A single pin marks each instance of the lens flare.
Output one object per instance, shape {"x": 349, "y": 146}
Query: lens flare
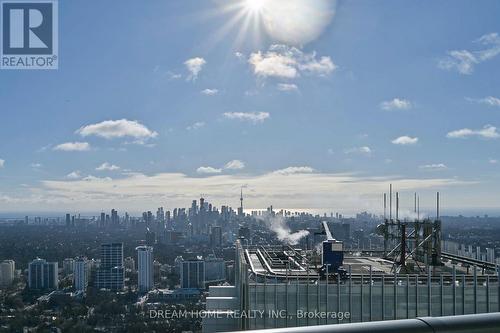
{"x": 290, "y": 22}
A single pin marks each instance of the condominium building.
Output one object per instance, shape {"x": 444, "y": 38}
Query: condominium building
{"x": 111, "y": 273}
{"x": 43, "y": 274}
{"x": 144, "y": 268}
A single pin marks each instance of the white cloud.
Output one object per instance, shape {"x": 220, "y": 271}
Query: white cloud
{"x": 140, "y": 142}
{"x": 94, "y": 179}
{"x": 208, "y": 170}
{"x": 234, "y": 165}
{"x": 74, "y": 175}
{"x": 285, "y": 62}
{"x": 194, "y": 66}
{"x": 272, "y": 64}
{"x": 210, "y": 92}
{"x": 433, "y": 167}
{"x": 107, "y": 167}
{"x": 490, "y": 100}
{"x": 73, "y": 146}
{"x": 487, "y": 132}
{"x": 110, "y": 129}
{"x": 293, "y": 170}
{"x": 461, "y": 60}
{"x": 396, "y": 104}
{"x": 321, "y": 67}
{"x": 464, "y": 61}
{"x": 2, "y": 163}
{"x": 195, "y": 126}
{"x": 36, "y": 165}
{"x": 405, "y": 140}
{"x": 493, "y": 161}
{"x": 254, "y": 117}
{"x": 231, "y": 165}
{"x": 365, "y": 150}
{"x": 287, "y": 87}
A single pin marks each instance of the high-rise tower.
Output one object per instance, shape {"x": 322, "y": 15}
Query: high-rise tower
{"x": 145, "y": 268}
{"x": 110, "y": 274}
{"x": 240, "y": 209}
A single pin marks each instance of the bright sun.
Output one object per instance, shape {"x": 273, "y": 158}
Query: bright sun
{"x": 293, "y": 22}
{"x": 254, "y": 5}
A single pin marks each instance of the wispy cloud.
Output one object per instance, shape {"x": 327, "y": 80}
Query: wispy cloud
{"x": 396, "y": 104}
{"x": 194, "y": 66}
{"x": 210, "y": 92}
{"x": 231, "y": 165}
{"x": 2, "y": 163}
{"x": 285, "y": 62}
{"x": 239, "y": 55}
{"x": 293, "y": 170}
{"x": 364, "y": 150}
{"x": 487, "y": 132}
{"x": 107, "y": 167}
{"x": 464, "y": 61}
{"x": 287, "y": 87}
{"x": 94, "y": 179}
{"x": 433, "y": 167}
{"x": 490, "y": 100}
{"x": 73, "y": 146}
{"x": 254, "y": 117}
{"x": 195, "y": 126}
{"x": 203, "y": 170}
{"x": 36, "y": 165}
{"x": 493, "y": 161}
{"x": 74, "y": 175}
{"x": 234, "y": 165}
{"x": 110, "y": 129}
{"x": 174, "y": 76}
{"x": 405, "y": 140}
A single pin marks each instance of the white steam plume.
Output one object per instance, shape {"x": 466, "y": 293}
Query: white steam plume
{"x": 283, "y": 232}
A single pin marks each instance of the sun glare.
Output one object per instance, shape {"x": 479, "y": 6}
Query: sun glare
{"x": 293, "y": 22}
{"x": 254, "y": 5}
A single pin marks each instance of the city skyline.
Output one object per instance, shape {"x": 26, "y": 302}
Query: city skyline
{"x": 314, "y": 115}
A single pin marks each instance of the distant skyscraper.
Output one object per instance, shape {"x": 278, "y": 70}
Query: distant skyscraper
{"x": 68, "y": 220}
{"x": 68, "y": 266}
{"x": 150, "y": 237}
{"x": 216, "y": 236}
{"x": 43, "y": 274}
{"x": 102, "y": 221}
{"x": 160, "y": 214}
{"x": 144, "y": 268}
{"x": 81, "y": 273}
{"x": 110, "y": 274}
{"x": 115, "y": 220}
{"x": 7, "y": 268}
{"x": 244, "y": 232}
{"x": 192, "y": 274}
{"x": 240, "y": 209}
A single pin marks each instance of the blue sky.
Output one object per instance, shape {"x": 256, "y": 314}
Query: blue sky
{"x": 321, "y": 113}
